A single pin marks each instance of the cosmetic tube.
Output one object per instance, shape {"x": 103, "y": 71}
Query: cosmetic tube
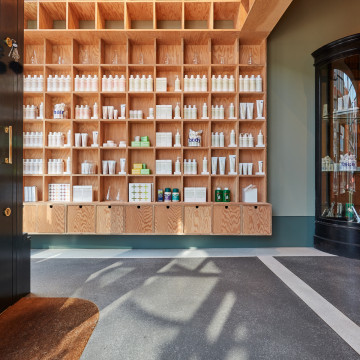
{"x": 105, "y": 112}
{"x": 105, "y": 167}
{"x": 95, "y": 138}
{"x": 122, "y": 166}
{"x": 245, "y": 168}
{"x": 240, "y": 168}
{"x": 232, "y": 159}
{"x": 259, "y": 108}
{"x": 116, "y": 114}
{"x": 77, "y": 139}
{"x": 222, "y": 165}
{"x": 84, "y": 139}
{"x": 260, "y": 163}
{"x": 249, "y": 168}
{"x": 250, "y": 110}
{"x": 242, "y": 111}
{"x": 122, "y": 110}
{"x": 111, "y": 112}
{"x": 111, "y": 164}
{"x": 214, "y": 160}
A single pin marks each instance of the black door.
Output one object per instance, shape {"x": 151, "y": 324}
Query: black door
{"x": 12, "y": 254}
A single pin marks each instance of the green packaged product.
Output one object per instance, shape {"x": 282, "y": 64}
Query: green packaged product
{"x": 144, "y": 138}
{"x": 143, "y": 166}
{"x": 160, "y": 195}
{"x": 218, "y": 195}
{"x": 145, "y": 143}
{"x": 226, "y": 195}
{"x": 145, "y": 171}
{"x": 135, "y": 144}
{"x": 175, "y": 195}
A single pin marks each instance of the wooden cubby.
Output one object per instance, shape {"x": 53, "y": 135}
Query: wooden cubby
{"x": 161, "y": 39}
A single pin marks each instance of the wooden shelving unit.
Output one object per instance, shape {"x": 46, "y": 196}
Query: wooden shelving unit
{"x": 155, "y": 29}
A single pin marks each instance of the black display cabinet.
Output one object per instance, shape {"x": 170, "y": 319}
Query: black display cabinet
{"x": 337, "y": 208}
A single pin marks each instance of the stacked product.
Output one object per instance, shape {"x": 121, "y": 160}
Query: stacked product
{"x": 82, "y": 193}
{"x": 33, "y": 83}
{"x": 195, "y": 194}
{"x": 246, "y": 140}
{"x": 60, "y": 111}
{"x": 140, "y": 192}
{"x": 163, "y": 139}
{"x": 195, "y": 84}
{"x": 55, "y": 166}
{"x": 217, "y": 113}
{"x": 86, "y": 83}
{"x": 190, "y": 167}
{"x": 109, "y": 112}
{"x": 163, "y": 167}
{"x": 190, "y": 112}
{"x": 142, "y": 141}
{"x": 246, "y": 111}
{"x": 161, "y": 84}
{"x": 57, "y": 139}
{"x": 222, "y": 164}
{"x": 111, "y": 143}
{"x": 142, "y": 84}
{"x": 59, "y": 84}
{"x": 81, "y": 139}
{"x": 164, "y": 112}
{"x": 194, "y": 139}
{"x": 59, "y": 192}
{"x": 83, "y": 112}
{"x": 168, "y": 195}
{"x": 32, "y": 166}
{"x": 140, "y": 169}
{"x": 250, "y": 84}
{"x": 223, "y": 83}
{"x": 88, "y": 168}
{"x": 30, "y": 194}
{"x": 245, "y": 168}
{"x": 33, "y": 112}
{"x": 222, "y": 195}
{"x": 113, "y": 84}
{"x": 32, "y": 139}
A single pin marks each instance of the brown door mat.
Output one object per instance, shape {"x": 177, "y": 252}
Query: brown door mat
{"x": 46, "y": 328}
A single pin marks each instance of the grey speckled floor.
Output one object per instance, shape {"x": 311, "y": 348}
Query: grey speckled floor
{"x": 337, "y": 279}
{"x": 190, "y": 309}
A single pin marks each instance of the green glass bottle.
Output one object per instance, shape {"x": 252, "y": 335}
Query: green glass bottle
{"x": 218, "y": 195}
{"x": 226, "y": 195}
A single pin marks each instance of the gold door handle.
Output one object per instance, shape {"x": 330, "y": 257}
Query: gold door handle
{"x": 7, "y": 212}
{"x": 8, "y": 130}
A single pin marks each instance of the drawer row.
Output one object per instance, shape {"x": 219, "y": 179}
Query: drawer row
{"x": 163, "y": 219}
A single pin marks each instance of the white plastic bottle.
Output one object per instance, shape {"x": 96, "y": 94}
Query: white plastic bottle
{"x": 94, "y": 83}
{"x": 82, "y": 83}
{"x": 231, "y": 83}
{"x": 50, "y": 83}
{"x": 213, "y": 83}
{"x": 221, "y": 112}
{"x": 225, "y": 83}
{"x": 137, "y": 83}
{"x": 231, "y": 111}
{"x": 221, "y": 139}
{"x": 194, "y": 167}
{"x": 232, "y": 138}
{"x": 177, "y": 83}
{"x": 143, "y": 84}
{"x": 246, "y": 83}
{"x": 205, "y": 165}
{"x": 258, "y": 84}
{"x": 219, "y": 83}
{"x": 131, "y": 83}
{"x": 252, "y": 86}
{"x": 241, "y": 83}
{"x": 192, "y": 83}
{"x": 177, "y": 139}
{"x": 149, "y": 84}
{"x": 177, "y": 167}
{"x": 204, "y": 83}
{"x": 204, "y": 111}
{"x": 122, "y": 83}
{"x": 177, "y": 111}
{"x": 198, "y": 83}
{"x": 95, "y": 111}
{"x": 186, "y": 83}
{"x": 88, "y": 83}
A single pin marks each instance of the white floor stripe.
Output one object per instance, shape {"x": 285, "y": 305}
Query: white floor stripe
{"x": 174, "y": 253}
{"x": 341, "y": 324}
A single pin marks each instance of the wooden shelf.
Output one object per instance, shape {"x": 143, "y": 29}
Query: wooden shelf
{"x": 161, "y": 39}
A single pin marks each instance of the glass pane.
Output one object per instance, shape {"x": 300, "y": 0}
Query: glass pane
{"x": 340, "y": 166}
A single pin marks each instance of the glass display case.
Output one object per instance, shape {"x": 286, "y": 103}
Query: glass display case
{"x": 337, "y": 228}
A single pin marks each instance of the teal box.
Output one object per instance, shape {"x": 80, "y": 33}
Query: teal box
{"x": 144, "y": 138}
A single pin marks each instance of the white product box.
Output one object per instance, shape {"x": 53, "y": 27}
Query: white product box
{"x": 164, "y": 167}
{"x": 195, "y": 194}
{"x": 140, "y": 192}
{"x": 164, "y": 139}
{"x": 82, "y": 193}
{"x": 161, "y": 84}
{"x": 249, "y": 194}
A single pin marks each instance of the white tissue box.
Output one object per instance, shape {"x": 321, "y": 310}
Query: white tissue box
{"x": 82, "y": 193}
{"x": 249, "y": 194}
